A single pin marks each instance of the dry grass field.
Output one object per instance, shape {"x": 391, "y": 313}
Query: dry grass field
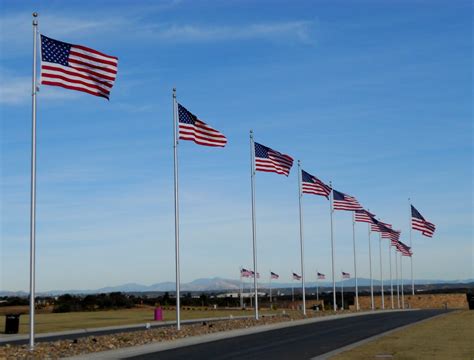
{"x": 51, "y": 322}
{"x": 447, "y": 337}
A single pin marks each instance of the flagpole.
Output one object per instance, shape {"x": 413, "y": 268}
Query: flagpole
{"x": 317, "y": 285}
{"x": 33, "y": 186}
{"x": 270, "y": 285}
{"x": 342, "y": 292}
{"x": 381, "y": 275}
{"x": 331, "y": 210}
{"x": 411, "y": 257}
{"x": 241, "y": 290}
{"x": 372, "y": 305}
{"x": 401, "y": 279}
{"x": 391, "y": 279}
{"x": 355, "y": 261}
{"x": 254, "y": 228}
{"x": 176, "y": 211}
{"x": 300, "y": 195}
{"x": 398, "y": 279}
{"x": 292, "y": 287}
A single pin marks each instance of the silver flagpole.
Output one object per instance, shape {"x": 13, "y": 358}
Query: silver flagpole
{"x": 411, "y": 257}
{"x": 33, "y": 187}
{"x": 241, "y": 290}
{"x": 372, "y": 305}
{"x": 381, "y": 274}
{"x": 398, "y": 279}
{"x": 331, "y": 210}
{"x": 390, "y": 265}
{"x": 300, "y": 195}
{"x": 401, "y": 278}
{"x": 317, "y": 285}
{"x": 292, "y": 287}
{"x": 254, "y": 228}
{"x": 355, "y": 261}
{"x": 270, "y": 285}
{"x": 342, "y": 292}
{"x": 176, "y": 210}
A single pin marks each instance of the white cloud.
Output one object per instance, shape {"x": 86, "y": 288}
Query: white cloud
{"x": 299, "y": 30}
{"x": 16, "y": 90}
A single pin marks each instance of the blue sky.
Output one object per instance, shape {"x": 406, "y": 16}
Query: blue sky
{"x": 375, "y": 96}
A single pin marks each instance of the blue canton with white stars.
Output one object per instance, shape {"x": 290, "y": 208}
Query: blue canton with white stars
{"x": 54, "y": 51}
{"x": 261, "y": 151}
{"x": 185, "y": 116}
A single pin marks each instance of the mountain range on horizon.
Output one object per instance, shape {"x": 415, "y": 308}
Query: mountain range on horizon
{"x": 221, "y": 284}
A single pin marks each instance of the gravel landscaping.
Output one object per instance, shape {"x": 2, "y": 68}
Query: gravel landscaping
{"x": 65, "y": 348}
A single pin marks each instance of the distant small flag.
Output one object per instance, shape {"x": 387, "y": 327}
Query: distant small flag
{"x": 419, "y": 223}
{"x": 296, "y": 276}
{"x": 245, "y": 273}
{"x": 77, "y": 67}
{"x": 404, "y": 249}
{"x": 312, "y": 185}
{"x": 252, "y": 274}
{"x": 321, "y": 276}
{"x": 364, "y": 216}
{"x": 273, "y": 275}
{"x": 191, "y": 128}
{"x": 270, "y": 160}
{"x": 346, "y": 275}
{"x": 343, "y": 201}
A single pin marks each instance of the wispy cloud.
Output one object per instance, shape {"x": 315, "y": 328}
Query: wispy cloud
{"x": 298, "y": 30}
{"x": 16, "y": 90}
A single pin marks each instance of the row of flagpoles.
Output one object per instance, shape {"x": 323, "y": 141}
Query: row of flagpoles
{"x": 80, "y": 68}
{"x": 187, "y": 126}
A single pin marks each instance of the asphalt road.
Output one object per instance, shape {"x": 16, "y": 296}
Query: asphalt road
{"x": 298, "y": 342}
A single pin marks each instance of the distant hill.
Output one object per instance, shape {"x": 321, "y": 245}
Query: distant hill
{"x": 220, "y": 284}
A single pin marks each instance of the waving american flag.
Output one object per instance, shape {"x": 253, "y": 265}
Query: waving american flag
{"x": 343, "y": 201}
{"x": 191, "y": 128}
{"x": 270, "y": 160}
{"x": 77, "y": 67}
{"x": 419, "y": 223}
{"x": 312, "y": 185}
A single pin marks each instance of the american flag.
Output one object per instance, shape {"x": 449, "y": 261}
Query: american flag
{"x": 391, "y": 234}
{"x": 312, "y": 185}
{"x": 364, "y": 216}
{"x": 245, "y": 273}
{"x": 77, "y": 67}
{"x": 270, "y": 160}
{"x": 321, "y": 276}
{"x": 379, "y": 226}
{"x": 191, "y": 128}
{"x": 273, "y": 275}
{"x": 404, "y": 249}
{"x": 346, "y": 275}
{"x": 343, "y": 201}
{"x": 296, "y": 276}
{"x": 419, "y": 223}
{"x": 252, "y": 274}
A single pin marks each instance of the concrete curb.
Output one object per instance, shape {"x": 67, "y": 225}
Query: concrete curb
{"x": 167, "y": 345}
{"x": 332, "y": 353}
